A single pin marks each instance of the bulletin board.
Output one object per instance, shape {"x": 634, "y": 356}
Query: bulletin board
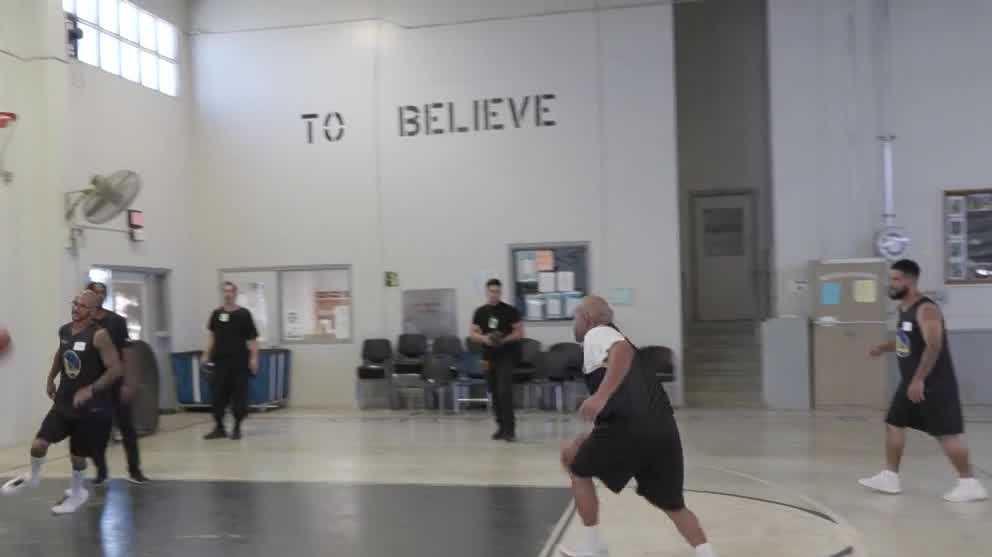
{"x": 549, "y": 280}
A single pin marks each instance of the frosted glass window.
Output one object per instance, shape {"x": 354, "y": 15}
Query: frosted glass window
{"x": 130, "y": 63}
{"x": 86, "y": 9}
{"x": 108, "y": 15}
{"x": 167, "y": 77}
{"x": 149, "y": 70}
{"x": 146, "y": 30}
{"x": 129, "y": 21}
{"x": 89, "y": 45}
{"x": 166, "y": 39}
{"x": 69, "y": 6}
{"x": 110, "y": 58}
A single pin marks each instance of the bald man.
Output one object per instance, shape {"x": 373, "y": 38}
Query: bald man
{"x": 87, "y": 364}
{"x": 635, "y": 435}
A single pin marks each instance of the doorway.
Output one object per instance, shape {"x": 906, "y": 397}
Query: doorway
{"x": 723, "y": 257}
{"x": 141, "y": 297}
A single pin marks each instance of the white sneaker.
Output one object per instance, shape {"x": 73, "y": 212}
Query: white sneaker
{"x": 885, "y": 481}
{"x": 17, "y": 484}
{"x": 967, "y": 491}
{"x": 71, "y": 504}
{"x": 585, "y": 552}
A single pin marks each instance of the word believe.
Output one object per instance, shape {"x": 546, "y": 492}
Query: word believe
{"x": 333, "y": 126}
{"x": 486, "y": 114}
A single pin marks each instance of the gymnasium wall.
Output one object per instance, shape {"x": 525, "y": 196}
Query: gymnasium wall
{"x": 826, "y": 162}
{"x": 115, "y": 124}
{"x": 32, "y": 84}
{"x": 440, "y": 209}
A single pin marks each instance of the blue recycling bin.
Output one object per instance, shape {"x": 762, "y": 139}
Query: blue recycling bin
{"x": 268, "y": 389}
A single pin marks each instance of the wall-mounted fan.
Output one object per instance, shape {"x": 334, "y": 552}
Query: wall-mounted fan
{"x": 107, "y": 197}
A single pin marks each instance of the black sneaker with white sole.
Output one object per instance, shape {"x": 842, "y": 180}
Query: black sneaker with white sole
{"x": 138, "y": 478}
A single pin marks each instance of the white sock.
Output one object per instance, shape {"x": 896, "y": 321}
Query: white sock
{"x": 705, "y": 550}
{"x": 77, "y": 483}
{"x": 968, "y": 482}
{"x": 591, "y": 537}
{"x": 36, "y": 469}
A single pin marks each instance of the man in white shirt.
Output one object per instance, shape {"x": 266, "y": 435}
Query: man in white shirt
{"x": 635, "y": 435}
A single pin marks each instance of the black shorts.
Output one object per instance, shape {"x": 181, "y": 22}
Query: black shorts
{"x": 88, "y": 433}
{"x": 938, "y": 414}
{"x": 615, "y": 454}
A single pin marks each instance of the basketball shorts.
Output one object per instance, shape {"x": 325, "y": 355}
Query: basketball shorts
{"x": 614, "y": 454}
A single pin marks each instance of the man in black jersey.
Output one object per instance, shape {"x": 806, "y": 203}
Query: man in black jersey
{"x": 635, "y": 434}
{"x": 120, "y": 394}
{"x": 232, "y": 349}
{"x": 87, "y": 364}
{"x": 927, "y": 398}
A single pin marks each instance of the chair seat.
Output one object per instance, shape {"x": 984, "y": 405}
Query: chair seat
{"x": 408, "y": 380}
{"x": 371, "y": 372}
{"x": 408, "y": 366}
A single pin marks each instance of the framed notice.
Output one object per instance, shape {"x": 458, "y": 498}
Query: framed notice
{"x": 549, "y": 279}
{"x": 968, "y": 236}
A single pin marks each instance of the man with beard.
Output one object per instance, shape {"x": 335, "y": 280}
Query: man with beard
{"x": 927, "y": 398}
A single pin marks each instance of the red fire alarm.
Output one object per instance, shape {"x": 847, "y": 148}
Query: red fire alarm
{"x": 136, "y": 225}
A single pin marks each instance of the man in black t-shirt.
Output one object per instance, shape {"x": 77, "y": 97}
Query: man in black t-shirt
{"x": 232, "y": 348}
{"x": 86, "y": 365}
{"x": 120, "y": 394}
{"x": 498, "y": 328}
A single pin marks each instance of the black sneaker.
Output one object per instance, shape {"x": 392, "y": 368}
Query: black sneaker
{"x": 100, "y": 479}
{"x": 510, "y": 437}
{"x": 236, "y": 434}
{"x": 137, "y": 478}
{"x": 217, "y": 433}
{"x": 498, "y": 435}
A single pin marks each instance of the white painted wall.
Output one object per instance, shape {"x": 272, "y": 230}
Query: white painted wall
{"x": 32, "y": 84}
{"x": 824, "y": 118}
{"x": 443, "y": 208}
{"x": 218, "y": 16}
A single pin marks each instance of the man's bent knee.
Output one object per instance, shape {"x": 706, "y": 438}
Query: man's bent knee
{"x": 39, "y": 448}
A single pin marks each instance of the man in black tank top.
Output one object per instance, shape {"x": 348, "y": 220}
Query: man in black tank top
{"x": 635, "y": 434}
{"x": 87, "y": 364}
{"x": 927, "y": 398}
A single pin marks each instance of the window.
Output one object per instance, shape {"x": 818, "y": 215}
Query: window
{"x": 968, "y": 236}
{"x": 126, "y": 41}
{"x": 297, "y": 305}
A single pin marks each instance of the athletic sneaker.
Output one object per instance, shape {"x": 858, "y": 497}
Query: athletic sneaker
{"x": 70, "y": 504}
{"x": 510, "y": 437}
{"x": 17, "y": 484}
{"x": 217, "y": 433}
{"x": 967, "y": 491}
{"x": 100, "y": 480}
{"x": 584, "y": 551}
{"x": 137, "y": 478}
{"x": 498, "y": 435}
{"x": 885, "y": 481}
{"x": 236, "y": 434}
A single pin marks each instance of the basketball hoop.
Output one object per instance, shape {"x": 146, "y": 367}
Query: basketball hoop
{"x": 7, "y": 122}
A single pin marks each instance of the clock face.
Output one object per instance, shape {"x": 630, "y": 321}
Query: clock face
{"x": 891, "y": 243}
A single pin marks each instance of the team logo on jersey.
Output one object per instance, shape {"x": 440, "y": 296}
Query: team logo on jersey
{"x": 71, "y": 364}
{"x": 903, "y": 346}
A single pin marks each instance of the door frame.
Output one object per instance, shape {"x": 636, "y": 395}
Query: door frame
{"x": 694, "y": 196}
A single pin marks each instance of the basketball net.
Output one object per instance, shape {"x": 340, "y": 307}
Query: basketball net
{"x": 8, "y": 120}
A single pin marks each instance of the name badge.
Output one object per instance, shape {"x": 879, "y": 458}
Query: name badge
{"x": 79, "y": 347}
{"x": 493, "y": 323}
{"x": 225, "y": 317}
{"x": 907, "y": 326}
